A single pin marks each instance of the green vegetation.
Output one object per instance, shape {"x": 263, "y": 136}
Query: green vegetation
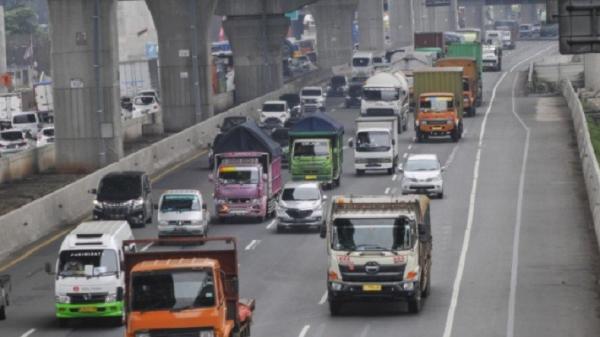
{"x": 594, "y": 128}
{"x": 21, "y": 20}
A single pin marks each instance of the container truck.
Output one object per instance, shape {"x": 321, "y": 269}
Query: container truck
{"x": 378, "y": 249}
{"x": 470, "y": 80}
{"x": 9, "y": 104}
{"x": 185, "y": 292}
{"x": 44, "y": 100}
{"x": 375, "y": 144}
{"x": 316, "y": 149}
{"x": 471, "y": 50}
{"x": 247, "y": 173}
{"x": 438, "y": 95}
{"x": 386, "y": 94}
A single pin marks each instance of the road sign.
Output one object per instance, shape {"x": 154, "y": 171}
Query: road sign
{"x": 579, "y": 26}
{"x": 437, "y": 3}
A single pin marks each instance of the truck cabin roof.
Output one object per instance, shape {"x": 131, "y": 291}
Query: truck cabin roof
{"x": 317, "y": 122}
{"x": 247, "y": 137}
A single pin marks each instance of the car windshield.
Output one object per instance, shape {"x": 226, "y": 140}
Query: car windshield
{"x": 180, "y": 203}
{"x": 172, "y": 290}
{"x": 386, "y": 234}
{"x": 273, "y": 108}
{"x": 436, "y": 103}
{"x": 311, "y": 92}
{"x": 11, "y": 135}
{"x": 48, "y": 132}
{"x": 144, "y": 100}
{"x": 73, "y": 263}
{"x": 360, "y": 61}
{"x": 24, "y": 119}
{"x": 300, "y": 194}
{"x": 310, "y": 148}
{"x": 381, "y": 94}
{"x": 421, "y": 165}
{"x": 373, "y": 141}
{"x": 119, "y": 188}
{"x": 237, "y": 175}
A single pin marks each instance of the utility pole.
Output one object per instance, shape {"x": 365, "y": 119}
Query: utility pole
{"x": 3, "y": 67}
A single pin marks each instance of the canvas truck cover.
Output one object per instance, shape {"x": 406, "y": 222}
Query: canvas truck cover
{"x": 317, "y": 123}
{"x": 247, "y": 137}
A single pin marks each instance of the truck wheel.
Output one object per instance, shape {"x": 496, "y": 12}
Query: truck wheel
{"x": 391, "y": 170}
{"x": 415, "y": 303}
{"x": 360, "y": 172}
{"x": 425, "y": 293}
{"x": 334, "y": 308}
{"x": 2, "y": 313}
{"x": 63, "y": 323}
{"x": 455, "y": 135}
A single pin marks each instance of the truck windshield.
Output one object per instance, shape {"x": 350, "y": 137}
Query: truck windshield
{"x": 381, "y": 94}
{"x": 180, "y": 203}
{"x": 311, "y": 92}
{"x": 119, "y": 188}
{"x": 311, "y": 148}
{"x": 372, "y": 234}
{"x": 360, "y": 61}
{"x": 273, "y": 108}
{"x": 172, "y": 290}
{"x": 232, "y": 175}
{"x": 373, "y": 141}
{"x": 436, "y": 104}
{"x": 72, "y": 263}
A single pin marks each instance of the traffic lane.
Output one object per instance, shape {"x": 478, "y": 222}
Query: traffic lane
{"x": 558, "y": 262}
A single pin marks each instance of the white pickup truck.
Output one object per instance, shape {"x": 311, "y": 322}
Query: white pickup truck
{"x": 375, "y": 144}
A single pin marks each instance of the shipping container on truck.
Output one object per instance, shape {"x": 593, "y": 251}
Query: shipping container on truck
{"x": 44, "y": 100}
{"x": 470, "y": 78}
{"x": 9, "y": 104}
{"x": 472, "y": 50}
{"x": 429, "y": 40}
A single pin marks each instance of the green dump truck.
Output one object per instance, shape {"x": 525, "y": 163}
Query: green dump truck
{"x": 472, "y": 50}
{"x": 316, "y": 150}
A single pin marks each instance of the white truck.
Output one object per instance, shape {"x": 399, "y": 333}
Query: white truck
{"x": 378, "y": 249}
{"x": 365, "y": 63}
{"x": 375, "y": 144}
{"x": 9, "y": 104}
{"x": 90, "y": 279}
{"x": 386, "y": 94}
{"x": 44, "y": 100}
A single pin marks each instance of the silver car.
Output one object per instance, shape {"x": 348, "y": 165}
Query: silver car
{"x": 182, "y": 213}
{"x": 423, "y": 174}
{"x": 301, "y": 204}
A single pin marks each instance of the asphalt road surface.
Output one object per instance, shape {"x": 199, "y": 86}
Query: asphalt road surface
{"x": 514, "y": 254}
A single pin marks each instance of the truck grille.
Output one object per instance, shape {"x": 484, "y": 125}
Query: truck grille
{"x": 298, "y": 214}
{"x": 389, "y": 273}
{"x": 175, "y": 333}
{"x": 87, "y": 298}
{"x": 240, "y": 201}
{"x": 380, "y": 112}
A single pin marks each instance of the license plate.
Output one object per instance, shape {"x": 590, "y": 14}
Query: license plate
{"x": 87, "y": 309}
{"x": 436, "y": 128}
{"x": 310, "y": 177}
{"x": 371, "y": 287}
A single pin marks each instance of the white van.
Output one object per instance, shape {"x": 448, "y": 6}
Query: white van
{"x": 90, "y": 280}
{"x": 27, "y": 122}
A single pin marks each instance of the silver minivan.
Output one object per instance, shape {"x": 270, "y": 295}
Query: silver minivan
{"x": 182, "y": 213}
{"x": 301, "y": 204}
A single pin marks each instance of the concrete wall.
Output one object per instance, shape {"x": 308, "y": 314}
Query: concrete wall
{"x": 589, "y": 162}
{"x": 72, "y": 203}
{"x": 224, "y": 101}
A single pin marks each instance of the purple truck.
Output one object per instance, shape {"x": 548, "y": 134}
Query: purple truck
{"x": 247, "y": 174}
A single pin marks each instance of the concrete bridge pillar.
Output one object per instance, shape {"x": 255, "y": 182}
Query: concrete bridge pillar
{"x": 402, "y": 22}
{"x": 370, "y": 25}
{"x": 474, "y": 15}
{"x": 257, "y": 43}
{"x": 334, "y": 19}
{"x": 85, "y": 64}
{"x": 420, "y": 15}
{"x": 185, "y": 61}
{"x": 528, "y": 13}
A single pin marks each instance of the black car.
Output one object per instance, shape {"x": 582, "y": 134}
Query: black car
{"x": 293, "y": 102}
{"x": 124, "y": 195}
{"x": 127, "y": 103}
{"x": 354, "y": 96}
{"x": 337, "y": 86}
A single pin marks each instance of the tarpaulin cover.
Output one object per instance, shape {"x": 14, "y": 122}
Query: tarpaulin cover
{"x": 318, "y": 122}
{"x": 247, "y": 137}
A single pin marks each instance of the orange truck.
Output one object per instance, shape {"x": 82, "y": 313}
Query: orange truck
{"x": 470, "y": 80}
{"x": 185, "y": 287}
{"x": 438, "y": 94}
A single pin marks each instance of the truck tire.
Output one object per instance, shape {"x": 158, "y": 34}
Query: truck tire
{"x": 335, "y": 308}
{"x": 391, "y": 170}
{"x": 415, "y": 303}
{"x": 2, "y": 313}
{"x": 63, "y": 323}
{"x": 425, "y": 293}
{"x": 455, "y": 135}
{"x": 360, "y": 172}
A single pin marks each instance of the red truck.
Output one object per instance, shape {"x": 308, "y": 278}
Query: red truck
{"x": 190, "y": 291}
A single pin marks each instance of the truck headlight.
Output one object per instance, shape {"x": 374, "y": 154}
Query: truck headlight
{"x": 450, "y": 121}
{"x": 64, "y": 299}
{"x": 409, "y": 286}
{"x": 138, "y": 203}
{"x": 98, "y": 205}
{"x": 142, "y": 334}
{"x": 207, "y": 333}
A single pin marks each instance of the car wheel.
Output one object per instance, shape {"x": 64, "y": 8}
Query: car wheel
{"x": 2, "y": 313}
{"x": 441, "y": 195}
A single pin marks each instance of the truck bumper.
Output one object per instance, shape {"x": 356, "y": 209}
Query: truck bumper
{"x": 373, "y": 166}
{"x": 111, "y": 309}
{"x": 349, "y": 292}
{"x": 241, "y": 211}
{"x": 437, "y": 129}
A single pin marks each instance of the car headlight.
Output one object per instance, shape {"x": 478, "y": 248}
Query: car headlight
{"x": 335, "y": 286}
{"x": 207, "y": 333}
{"x": 142, "y": 334}
{"x": 138, "y": 203}
{"x": 411, "y": 180}
{"x": 98, "y": 204}
{"x": 63, "y": 299}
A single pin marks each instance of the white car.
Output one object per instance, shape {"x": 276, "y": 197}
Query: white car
{"x": 312, "y": 98}
{"x": 301, "y": 204}
{"x": 275, "y": 109}
{"x": 45, "y": 136}
{"x": 144, "y": 105}
{"x": 423, "y": 174}
{"x": 27, "y": 122}
{"x": 13, "y": 140}
{"x": 149, "y": 92}
{"x": 182, "y": 213}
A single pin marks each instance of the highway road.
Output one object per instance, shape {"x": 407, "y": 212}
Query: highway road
{"x": 514, "y": 253}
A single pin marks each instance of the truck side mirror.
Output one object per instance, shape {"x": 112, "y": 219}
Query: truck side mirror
{"x": 93, "y": 191}
{"x": 211, "y": 177}
{"x": 48, "y": 268}
{"x": 350, "y": 143}
{"x": 120, "y": 294}
{"x": 323, "y": 231}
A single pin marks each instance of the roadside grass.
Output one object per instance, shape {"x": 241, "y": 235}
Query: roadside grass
{"x": 594, "y": 128}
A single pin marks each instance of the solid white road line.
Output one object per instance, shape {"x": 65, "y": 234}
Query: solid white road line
{"x": 465, "y": 246}
{"x": 451, "y": 156}
{"x": 510, "y": 324}
{"x": 394, "y": 177}
{"x": 252, "y": 244}
{"x": 409, "y": 147}
{"x": 28, "y": 333}
{"x": 271, "y": 224}
{"x": 323, "y": 298}
{"x": 405, "y": 155}
{"x": 387, "y": 190}
{"x": 145, "y": 248}
{"x": 304, "y": 331}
